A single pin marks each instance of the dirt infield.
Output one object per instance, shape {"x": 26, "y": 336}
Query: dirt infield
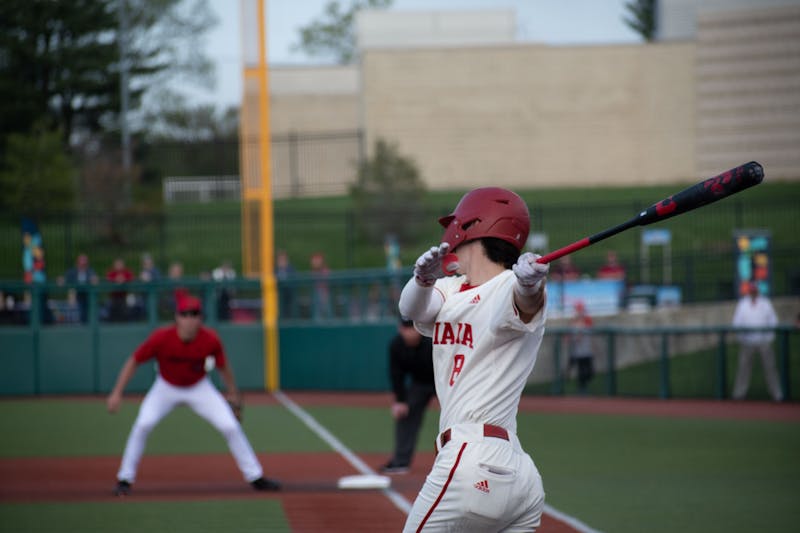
{"x": 310, "y": 498}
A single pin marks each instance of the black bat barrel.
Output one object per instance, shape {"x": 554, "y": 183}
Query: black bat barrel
{"x": 703, "y": 193}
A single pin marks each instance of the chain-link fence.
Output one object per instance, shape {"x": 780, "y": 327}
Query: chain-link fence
{"x": 701, "y": 261}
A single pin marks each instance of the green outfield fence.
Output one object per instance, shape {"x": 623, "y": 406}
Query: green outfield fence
{"x": 334, "y": 334}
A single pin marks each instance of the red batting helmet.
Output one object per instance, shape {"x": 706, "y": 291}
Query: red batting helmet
{"x": 487, "y": 212}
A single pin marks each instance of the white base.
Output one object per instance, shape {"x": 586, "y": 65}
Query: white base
{"x": 364, "y": 482}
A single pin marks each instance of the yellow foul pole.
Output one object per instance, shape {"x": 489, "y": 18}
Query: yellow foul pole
{"x": 257, "y": 214}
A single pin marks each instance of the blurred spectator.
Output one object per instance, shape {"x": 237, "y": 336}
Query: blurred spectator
{"x": 175, "y": 272}
{"x": 565, "y": 270}
{"x": 391, "y": 248}
{"x": 222, "y": 273}
{"x": 756, "y": 311}
{"x": 119, "y": 274}
{"x": 10, "y": 312}
{"x": 169, "y": 300}
{"x": 283, "y": 272}
{"x": 321, "y": 307}
{"x": 81, "y": 274}
{"x": 149, "y": 271}
{"x": 612, "y": 269}
{"x": 581, "y": 352}
{"x": 373, "y": 311}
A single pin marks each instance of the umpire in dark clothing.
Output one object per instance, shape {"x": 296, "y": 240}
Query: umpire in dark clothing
{"x": 411, "y": 374}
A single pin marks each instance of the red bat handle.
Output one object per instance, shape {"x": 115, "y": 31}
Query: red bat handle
{"x": 577, "y": 245}
{"x": 586, "y": 241}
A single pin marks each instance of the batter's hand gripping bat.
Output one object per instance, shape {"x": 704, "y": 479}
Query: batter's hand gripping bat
{"x": 703, "y": 193}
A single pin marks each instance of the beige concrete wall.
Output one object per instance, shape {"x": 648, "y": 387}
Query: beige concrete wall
{"x": 748, "y": 90}
{"x": 314, "y": 113}
{"x": 311, "y": 104}
{"x": 314, "y": 99}
{"x": 535, "y": 116}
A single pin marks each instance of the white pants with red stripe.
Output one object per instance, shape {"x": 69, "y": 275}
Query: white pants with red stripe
{"x": 205, "y": 400}
{"x": 479, "y": 484}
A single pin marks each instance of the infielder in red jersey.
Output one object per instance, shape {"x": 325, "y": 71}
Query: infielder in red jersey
{"x": 486, "y": 322}
{"x": 181, "y": 351}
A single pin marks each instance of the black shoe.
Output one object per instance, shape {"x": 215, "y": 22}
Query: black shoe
{"x": 264, "y": 483}
{"x": 394, "y": 468}
{"x": 123, "y": 488}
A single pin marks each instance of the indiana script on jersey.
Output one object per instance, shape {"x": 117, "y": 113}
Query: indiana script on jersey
{"x": 449, "y": 333}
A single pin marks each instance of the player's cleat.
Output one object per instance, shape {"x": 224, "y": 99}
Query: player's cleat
{"x": 394, "y": 468}
{"x": 123, "y": 488}
{"x": 265, "y": 484}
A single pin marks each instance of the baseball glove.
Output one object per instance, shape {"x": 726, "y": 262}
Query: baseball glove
{"x": 237, "y": 407}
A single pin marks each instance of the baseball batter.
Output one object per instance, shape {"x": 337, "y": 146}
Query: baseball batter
{"x": 486, "y": 324}
{"x": 181, "y": 351}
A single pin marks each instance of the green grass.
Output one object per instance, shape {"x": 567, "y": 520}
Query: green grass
{"x": 350, "y": 427}
{"x": 634, "y": 474}
{"x": 242, "y": 516}
{"x": 28, "y": 428}
{"x": 622, "y": 474}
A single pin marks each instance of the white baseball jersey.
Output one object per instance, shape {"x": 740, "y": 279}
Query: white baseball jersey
{"x": 482, "y": 352}
{"x": 482, "y": 356}
{"x": 755, "y": 314}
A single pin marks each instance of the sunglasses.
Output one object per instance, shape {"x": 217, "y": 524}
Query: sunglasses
{"x": 193, "y": 312}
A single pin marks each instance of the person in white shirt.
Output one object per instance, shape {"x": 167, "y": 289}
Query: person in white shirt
{"x": 486, "y": 323}
{"x": 755, "y": 311}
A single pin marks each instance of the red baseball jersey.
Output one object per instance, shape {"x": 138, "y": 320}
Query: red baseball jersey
{"x": 181, "y": 363}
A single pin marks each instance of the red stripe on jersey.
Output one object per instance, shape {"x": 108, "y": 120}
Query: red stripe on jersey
{"x": 466, "y": 287}
{"x": 444, "y": 489}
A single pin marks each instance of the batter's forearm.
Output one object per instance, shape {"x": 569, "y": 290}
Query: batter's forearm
{"x": 529, "y": 305}
{"x": 418, "y": 303}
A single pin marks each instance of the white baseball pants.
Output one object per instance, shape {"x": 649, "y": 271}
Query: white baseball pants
{"x": 205, "y": 400}
{"x": 479, "y": 484}
{"x": 745, "y": 370}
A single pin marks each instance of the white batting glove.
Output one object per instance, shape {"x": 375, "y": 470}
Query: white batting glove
{"x": 530, "y": 274}
{"x": 428, "y": 267}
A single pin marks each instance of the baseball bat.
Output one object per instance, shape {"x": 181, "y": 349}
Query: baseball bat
{"x": 703, "y": 193}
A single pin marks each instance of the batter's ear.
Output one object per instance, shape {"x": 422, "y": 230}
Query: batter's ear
{"x": 450, "y": 264}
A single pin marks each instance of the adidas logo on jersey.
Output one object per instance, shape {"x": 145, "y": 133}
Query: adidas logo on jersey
{"x": 476, "y": 299}
{"x": 482, "y": 486}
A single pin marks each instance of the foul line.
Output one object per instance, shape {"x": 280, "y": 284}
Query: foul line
{"x": 396, "y": 498}
{"x": 571, "y": 521}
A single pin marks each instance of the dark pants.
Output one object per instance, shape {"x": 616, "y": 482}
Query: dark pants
{"x": 585, "y": 371}
{"x": 406, "y": 430}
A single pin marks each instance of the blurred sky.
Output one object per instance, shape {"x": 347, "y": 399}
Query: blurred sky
{"x": 555, "y": 22}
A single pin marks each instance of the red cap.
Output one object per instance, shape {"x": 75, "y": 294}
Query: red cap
{"x": 189, "y": 303}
